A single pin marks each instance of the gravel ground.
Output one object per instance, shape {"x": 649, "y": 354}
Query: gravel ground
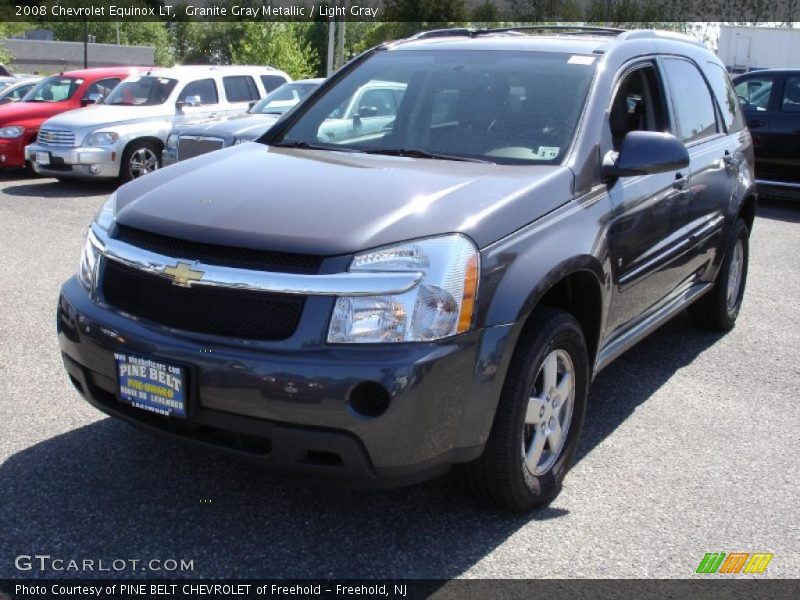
{"x": 691, "y": 446}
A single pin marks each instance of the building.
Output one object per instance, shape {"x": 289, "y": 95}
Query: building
{"x": 44, "y": 56}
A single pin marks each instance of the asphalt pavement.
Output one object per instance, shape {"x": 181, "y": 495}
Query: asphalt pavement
{"x": 692, "y": 445}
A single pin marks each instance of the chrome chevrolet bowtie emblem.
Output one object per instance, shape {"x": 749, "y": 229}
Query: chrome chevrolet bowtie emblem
{"x": 182, "y": 274}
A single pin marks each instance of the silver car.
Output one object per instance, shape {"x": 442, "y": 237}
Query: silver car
{"x": 124, "y": 136}
{"x": 188, "y": 141}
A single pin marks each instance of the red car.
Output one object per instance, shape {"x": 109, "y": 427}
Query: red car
{"x": 20, "y": 121}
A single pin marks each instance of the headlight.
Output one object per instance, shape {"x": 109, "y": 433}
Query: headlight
{"x": 441, "y": 305}
{"x": 107, "y": 213}
{"x": 101, "y": 138}
{"x": 172, "y": 141}
{"x": 88, "y": 266}
{"x": 12, "y": 132}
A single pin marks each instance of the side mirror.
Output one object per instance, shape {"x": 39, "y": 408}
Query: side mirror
{"x": 189, "y": 101}
{"x": 95, "y": 98}
{"x": 645, "y": 153}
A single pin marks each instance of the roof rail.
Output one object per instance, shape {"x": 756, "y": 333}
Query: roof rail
{"x": 559, "y": 28}
{"x": 566, "y": 29}
{"x": 663, "y": 34}
{"x": 452, "y": 32}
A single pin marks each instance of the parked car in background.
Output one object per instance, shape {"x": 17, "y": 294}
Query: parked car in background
{"x": 17, "y": 91}
{"x": 123, "y": 138}
{"x": 187, "y": 141}
{"x": 371, "y": 110}
{"x": 20, "y": 121}
{"x": 439, "y": 292}
{"x": 6, "y": 81}
{"x": 770, "y": 100}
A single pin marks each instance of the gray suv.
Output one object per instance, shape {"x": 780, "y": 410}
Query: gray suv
{"x": 386, "y": 303}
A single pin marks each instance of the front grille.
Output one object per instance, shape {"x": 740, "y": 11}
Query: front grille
{"x": 56, "y": 137}
{"x": 189, "y": 147}
{"x": 213, "y": 254}
{"x": 243, "y": 314}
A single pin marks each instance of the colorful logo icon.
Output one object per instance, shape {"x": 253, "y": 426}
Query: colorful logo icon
{"x": 734, "y": 562}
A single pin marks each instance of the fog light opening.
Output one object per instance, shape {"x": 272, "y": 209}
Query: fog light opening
{"x": 369, "y": 399}
{"x": 94, "y": 169}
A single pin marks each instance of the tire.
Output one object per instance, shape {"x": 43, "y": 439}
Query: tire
{"x": 502, "y": 474}
{"x": 143, "y": 153}
{"x": 717, "y": 310}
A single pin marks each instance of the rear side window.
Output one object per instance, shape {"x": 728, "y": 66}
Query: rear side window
{"x": 240, "y": 88}
{"x": 754, "y": 93}
{"x": 726, "y": 97}
{"x": 791, "y": 94}
{"x": 691, "y": 100}
{"x": 205, "y": 88}
{"x": 272, "y": 82}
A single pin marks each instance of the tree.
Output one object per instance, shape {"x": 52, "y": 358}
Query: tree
{"x": 281, "y": 45}
{"x": 133, "y": 33}
{"x": 7, "y": 29}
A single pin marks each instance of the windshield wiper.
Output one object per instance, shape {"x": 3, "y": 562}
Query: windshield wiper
{"x": 417, "y": 153}
{"x": 306, "y": 146}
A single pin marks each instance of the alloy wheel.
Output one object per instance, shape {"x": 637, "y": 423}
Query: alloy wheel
{"x": 549, "y": 412}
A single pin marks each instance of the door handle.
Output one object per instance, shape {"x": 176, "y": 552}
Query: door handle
{"x": 755, "y": 123}
{"x": 680, "y": 181}
{"x": 729, "y": 160}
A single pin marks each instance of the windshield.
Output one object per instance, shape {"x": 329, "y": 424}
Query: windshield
{"x": 53, "y": 89}
{"x": 282, "y": 99}
{"x": 498, "y": 106}
{"x": 142, "y": 91}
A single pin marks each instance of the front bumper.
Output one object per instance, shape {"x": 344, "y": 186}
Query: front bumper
{"x": 78, "y": 163}
{"x": 12, "y": 153}
{"x": 289, "y": 407}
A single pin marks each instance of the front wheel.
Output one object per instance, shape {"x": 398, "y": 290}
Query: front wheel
{"x": 139, "y": 158}
{"x": 539, "y": 416}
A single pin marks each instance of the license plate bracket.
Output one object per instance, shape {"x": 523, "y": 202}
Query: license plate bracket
{"x": 152, "y": 385}
{"x": 42, "y": 158}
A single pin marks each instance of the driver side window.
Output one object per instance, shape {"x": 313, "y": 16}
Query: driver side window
{"x": 637, "y": 106}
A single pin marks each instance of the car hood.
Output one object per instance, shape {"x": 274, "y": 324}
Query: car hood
{"x": 331, "y": 203}
{"x": 93, "y": 116}
{"x": 22, "y": 111}
{"x": 242, "y": 126}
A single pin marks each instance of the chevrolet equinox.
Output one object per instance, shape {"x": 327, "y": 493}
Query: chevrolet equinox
{"x": 430, "y": 276}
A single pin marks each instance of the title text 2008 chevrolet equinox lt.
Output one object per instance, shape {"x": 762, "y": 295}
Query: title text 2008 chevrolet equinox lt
{"x": 386, "y": 303}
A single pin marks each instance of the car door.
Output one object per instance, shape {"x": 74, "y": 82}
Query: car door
{"x": 715, "y": 158}
{"x": 199, "y": 99}
{"x": 648, "y": 211}
{"x": 785, "y": 132}
{"x": 759, "y": 101}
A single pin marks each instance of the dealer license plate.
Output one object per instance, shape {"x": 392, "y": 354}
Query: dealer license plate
{"x": 42, "y": 158}
{"x": 151, "y": 385}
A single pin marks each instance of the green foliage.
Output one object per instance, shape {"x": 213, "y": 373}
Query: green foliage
{"x": 7, "y": 29}
{"x": 282, "y": 45}
{"x": 135, "y": 33}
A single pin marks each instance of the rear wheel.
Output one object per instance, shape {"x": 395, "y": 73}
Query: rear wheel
{"x": 719, "y": 308}
{"x": 139, "y": 158}
{"x": 539, "y": 417}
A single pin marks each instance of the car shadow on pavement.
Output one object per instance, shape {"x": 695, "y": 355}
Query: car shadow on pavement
{"x": 106, "y": 490}
{"x": 779, "y": 209}
{"x": 50, "y": 188}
